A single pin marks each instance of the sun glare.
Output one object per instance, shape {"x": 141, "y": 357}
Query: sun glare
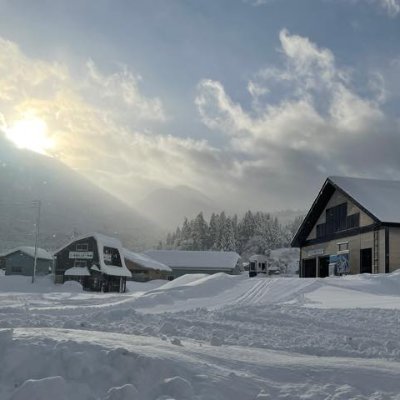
{"x": 31, "y": 134}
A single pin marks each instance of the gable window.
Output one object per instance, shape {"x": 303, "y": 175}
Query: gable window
{"x": 82, "y": 247}
{"x": 337, "y": 220}
{"x": 353, "y": 221}
{"x": 112, "y": 257}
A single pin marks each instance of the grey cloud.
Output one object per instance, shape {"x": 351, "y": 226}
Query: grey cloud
{"x": 321, "y": 126}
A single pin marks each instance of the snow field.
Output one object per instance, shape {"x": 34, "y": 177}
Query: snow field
{"x": 203, "y": 337}
{"x": 75, "y": 365}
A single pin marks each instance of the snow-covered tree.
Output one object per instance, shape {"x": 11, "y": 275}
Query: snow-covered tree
{"x": 200, "y": 233}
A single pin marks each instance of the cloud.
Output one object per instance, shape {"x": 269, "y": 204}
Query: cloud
{"x": 392, "y": 7}
{"x": 105, "y": 127}
{"x": 319, "y": 125}
{"x": 306, "y": 120}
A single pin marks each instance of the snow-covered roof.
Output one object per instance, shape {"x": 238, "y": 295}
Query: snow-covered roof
{"x": 105, "y": 241}
{"x": 30, "y": 251}
{"x": 380, "y": 197}
{"x": 258, "y": 257}
{"x": 145, "y": 261}
{"x": 77, "y": 271}
{"x": 195, "y": 259}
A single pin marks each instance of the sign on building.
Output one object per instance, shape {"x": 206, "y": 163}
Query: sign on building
{"x": 315, "y": 252}
{"x": 81, "y": 255}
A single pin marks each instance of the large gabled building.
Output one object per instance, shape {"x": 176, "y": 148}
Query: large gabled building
{"x": 352, "y": 227}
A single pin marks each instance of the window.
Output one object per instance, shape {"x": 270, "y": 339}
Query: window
{"x": 263, "y": 266}
{"x": 16, "y": 269}
{"x": 112, "y": 257}
{"x": 321, "y": 231}
{"x": 353, "y": 221}
{"x": 337, "y": 220}
{"x": 82, "y": 247}
{"x": 80, "y": 263}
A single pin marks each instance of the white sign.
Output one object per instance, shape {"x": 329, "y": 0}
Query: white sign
{"x": 107, "y": 257}
{"x": 315, "y": 252}
{"x": 81, "y": 255}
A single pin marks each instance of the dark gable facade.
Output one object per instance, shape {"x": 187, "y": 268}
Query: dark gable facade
{"x": 81, "y": 260}
{"x": 340, "y": 235}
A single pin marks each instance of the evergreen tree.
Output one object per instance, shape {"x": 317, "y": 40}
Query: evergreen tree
{"x": 219, "y": 244}
{"x": 186, "y": 236}
{"x": 200, "y": 233}
{"x": 228, "y": 236}
{"x": 213, "y": 232}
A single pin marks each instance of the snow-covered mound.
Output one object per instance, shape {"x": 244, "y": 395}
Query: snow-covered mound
{"x": 202, "y": 337}
{"x": 43, "y": 284}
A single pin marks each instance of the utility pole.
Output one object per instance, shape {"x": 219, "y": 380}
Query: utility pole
{"x": 38, "y": 204}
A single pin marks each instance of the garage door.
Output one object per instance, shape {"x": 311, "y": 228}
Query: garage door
{"x": 309, "y": 269}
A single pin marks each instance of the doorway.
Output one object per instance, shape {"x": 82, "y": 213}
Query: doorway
{"x": 366, "y": 261}
{"x": 310, "y": 268}
{"x": 323, "y": 267}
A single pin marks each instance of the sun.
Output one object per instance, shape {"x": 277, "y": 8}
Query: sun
{"x": 31, "y": 134}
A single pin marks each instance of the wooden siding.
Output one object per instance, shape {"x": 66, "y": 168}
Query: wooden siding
{"x": 19, "y": 263}
{"x": 96, "y": 281}
{"x": 142, "y": 274}
{"x": 356, "y": 243}
{"x": 63, "y": 262}
{"x": 336, "y": 199}
{"x": 394, "y": 249}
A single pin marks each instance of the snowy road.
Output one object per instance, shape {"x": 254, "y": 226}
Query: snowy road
{"x": 205, "y": 337}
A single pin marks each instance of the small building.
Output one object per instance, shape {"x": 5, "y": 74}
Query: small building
{"x": 197, "y": 262}
{"x": 353, "y": 227}
{"x": 258, "y": 264}
{"x": 94, "y": 260}
{"x": 20, "y": 261}
{"x": 143, "y": 268}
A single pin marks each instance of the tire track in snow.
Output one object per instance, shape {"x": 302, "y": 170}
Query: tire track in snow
{"x": 253, "y": 293}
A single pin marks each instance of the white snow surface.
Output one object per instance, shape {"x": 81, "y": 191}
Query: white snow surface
{"x": 77, "y": 271}
{"x": 379, "y": 197}
{"x": 195, "y": 259}
{"x": 30, "y": 251}
{"x": 145, "y": 261}
{"x": 202, "y": 336}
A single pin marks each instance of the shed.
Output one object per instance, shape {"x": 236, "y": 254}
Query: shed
{"x": 20, "y": 261}
{"x": 197, "y": 262}
{"x": 144, "y": 268}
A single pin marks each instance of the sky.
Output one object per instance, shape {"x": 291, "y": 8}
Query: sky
{"x": 251, "y": 102}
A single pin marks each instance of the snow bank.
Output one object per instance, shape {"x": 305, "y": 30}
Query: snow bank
{"x": 42, "y": 284}
{"x": 61, "y": 364}
{"x": 203, "y": 337}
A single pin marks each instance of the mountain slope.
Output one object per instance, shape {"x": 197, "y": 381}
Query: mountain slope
{"x": 168, "y": 206}
{"x": 70, "y": 203}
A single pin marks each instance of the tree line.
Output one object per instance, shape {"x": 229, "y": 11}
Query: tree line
{"x": 254, "y": 233}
